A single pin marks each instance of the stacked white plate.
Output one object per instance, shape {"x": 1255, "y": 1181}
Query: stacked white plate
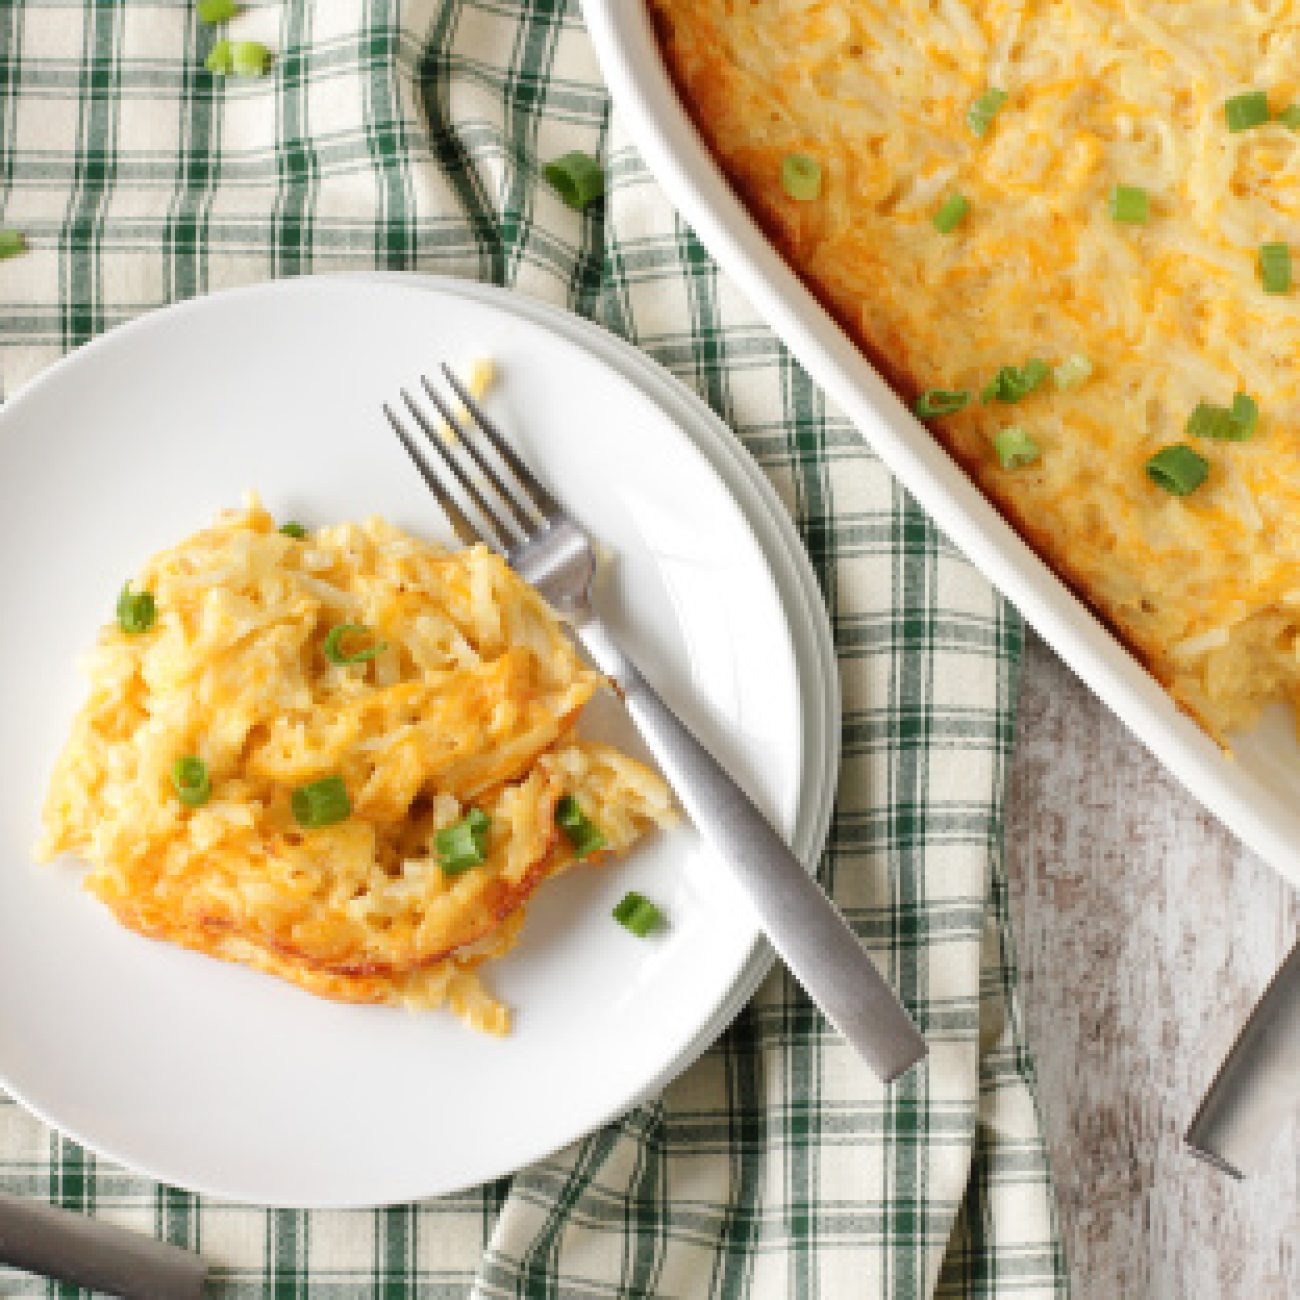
{"x": 216, "y": 1078}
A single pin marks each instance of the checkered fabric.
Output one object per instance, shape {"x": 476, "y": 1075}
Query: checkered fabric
{"x": 410, "y": 136}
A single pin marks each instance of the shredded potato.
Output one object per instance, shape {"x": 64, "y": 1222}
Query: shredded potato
{"x": 1170, "y": 313}
{"x": 471, "y": 704}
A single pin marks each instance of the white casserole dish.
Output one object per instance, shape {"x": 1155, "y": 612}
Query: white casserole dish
{"x": 1256, "y": 793}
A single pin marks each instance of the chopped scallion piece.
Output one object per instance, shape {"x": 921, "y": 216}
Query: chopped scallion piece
{"x": 952, "y": 212}
{"x": 221, "y": 59}
{"x": 638, "y": 914}
{"x": 577, "y": 178}
{"x": 1290, "y": 116}
{"x": 1275, "y": 267}
{"x": 1015, "y": 448}
{"x": 464, "y": 844}
{"x": 191, "y": 782}
{"x": 294, "y": 530}
{"x": 578, "y": 828}
{"x": 1012, "y": 383}
{"x": 1246, "y": 111}
{"x": 249, "y": 58}
{"x": 935, "y": 402}
{"x": 321, "y": 803}
{"x": 12, "y": 242}
{"x": 217, "y": 11}
{"x": 137, "y": 611}
{"x": 335, "y": 652}
{"x": 1223, "y": 423}
{"x": 1178, "y": 469}
{"x": 1072, "y": 372}
{"x": 1130, "y": 204}
{"x": 801, "y": 177}
{"x": 980, "y": 115}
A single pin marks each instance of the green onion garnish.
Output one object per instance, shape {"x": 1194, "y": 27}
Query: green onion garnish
{"x": 221, "y": 59}
{"x": 801, "y": 177}
{"x": 1275, "y": 267}
{"x": 579, "y": 829}
{"x": 217, "y": 11}
{"x": 1178, "y": 469}
{"x": 1130, "y": 204}
{"x": 335, "y": 652}
{"x": 1246, "y": 111}
{"x": 638, "y": 914}
{"x": 249, "y": 58}
{"x": 464, "y": 844}
{"x": 577, "y": 178}
{"x": 935, "y": 402}
{"x": 294, "y": 530}
{"x": 1015, "y": 448}
{"x": 12, "y": 242}
{"x": 191, "y": 782}
{"x": 952, "y": 212}
{"x": 321, "y": 803}
{"x": 980, "y": 115}
{"x": 1233, "y": 423}
{"x": 1012, "y": 383}
{"x": 1290, "y": 116}
{"x": 136, "y": 611}
{"x": 1072, "y": 372}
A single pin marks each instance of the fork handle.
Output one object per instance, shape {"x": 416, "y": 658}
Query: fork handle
{"x": 814, "y": 940}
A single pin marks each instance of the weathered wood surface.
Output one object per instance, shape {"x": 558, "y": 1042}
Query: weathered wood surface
{"x": 1145, "y": 934}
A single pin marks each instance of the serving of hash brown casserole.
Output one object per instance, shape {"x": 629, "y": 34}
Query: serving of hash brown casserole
{"x": 345, "y": 757}
{"x": 1064, "y": 230}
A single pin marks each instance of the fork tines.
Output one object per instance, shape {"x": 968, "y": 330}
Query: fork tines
{"x": 511, "y": 505}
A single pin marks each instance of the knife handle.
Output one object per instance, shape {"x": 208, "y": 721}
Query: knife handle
{"x": 72, "y": 1248}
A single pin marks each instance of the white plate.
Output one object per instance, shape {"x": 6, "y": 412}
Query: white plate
{"x": 1257, "y": 796}
{"x": 214, "y": 1077}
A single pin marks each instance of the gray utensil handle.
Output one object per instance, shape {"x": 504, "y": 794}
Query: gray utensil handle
{"x": 814, "y": 940}
{"x": 72, "y": 1248}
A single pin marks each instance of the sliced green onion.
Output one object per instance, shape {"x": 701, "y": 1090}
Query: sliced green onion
{"x": 1290, "y": 116}
{"x": 638, "y": 914}
{"x": 579, "y": 829}
{"x": 1178, "y": 469}
{"x": 463, "y": 845}
{"x": 249, "y": 58}
{"x": 1073, "y": 371}
{"x": 1275, "y": 267}
{"x": 191, "y": 782}
{"x": 221, "y": 59}
{"x": 980, "y": 115}
{"x": 335, "y": 652}
{"x": 136, "y": 611}
{"x": 1015, "y": 448}
{"x": 321, "y": 803}
{"x": 1012, "y": 383}
{"x": 1130, "y": 204}
{"x": 935, "y": 402}
{"x": 1246, "y": 111}
{"x": 577, "y": 178}
{"x": 12, "y": 242}
{"x": 1233, "y": 423}
{"x": 294, "y": 530}
{"x": 801, "y": 177}
{"x": 952, "y": 212}
{"x": 217, "y": 11}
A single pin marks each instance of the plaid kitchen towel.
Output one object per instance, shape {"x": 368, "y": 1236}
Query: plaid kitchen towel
{"x": 410, "y": 136}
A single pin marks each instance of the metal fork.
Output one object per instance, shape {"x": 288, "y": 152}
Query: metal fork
{"x": 520, "y": 519}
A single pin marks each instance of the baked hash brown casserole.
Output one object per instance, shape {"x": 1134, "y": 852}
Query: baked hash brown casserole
{"x": 1064, "y": 230}
{"x": 344, "y": 757}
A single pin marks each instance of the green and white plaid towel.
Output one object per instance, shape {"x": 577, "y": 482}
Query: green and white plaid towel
{"x": 410, "y": 136}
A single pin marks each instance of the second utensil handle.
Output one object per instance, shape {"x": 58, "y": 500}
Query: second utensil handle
{"x": 814, "y": 940}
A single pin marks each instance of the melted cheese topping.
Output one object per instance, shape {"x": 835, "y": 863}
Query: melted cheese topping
{"x": 1205, "y": 588}
{"x": 472, "y": 704}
